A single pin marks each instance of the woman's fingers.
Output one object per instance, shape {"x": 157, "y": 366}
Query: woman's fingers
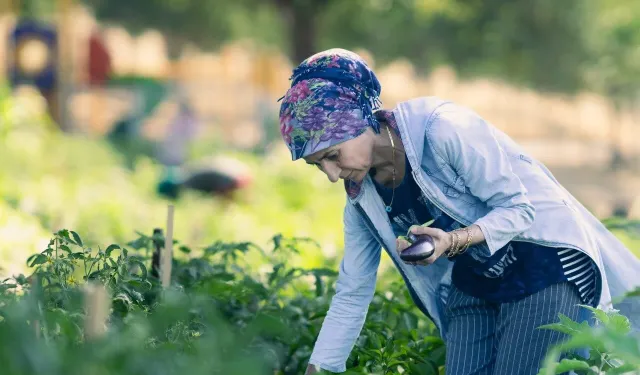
{"x": 434, "y": 232}
{"x": 401, "y": 244}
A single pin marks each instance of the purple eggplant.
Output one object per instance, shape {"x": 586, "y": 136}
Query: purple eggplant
{"x": 422, "y": 247}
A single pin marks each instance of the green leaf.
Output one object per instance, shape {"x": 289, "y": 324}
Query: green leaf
{"x": 324, "y": 272}
{"x": 624, "y": 369}
{"x": 39, "y": 259}
{"x": 371, "y": 353}
{"x": 140, "y": 284}
{"x": 578, "y": 327}
{"x": 601, "y": 315}
{"x": 571, "y": 364}
{"x": 122, "y": 303}
{"x": 550, "y": 361}
{"x": 619, "y": 324}
{"x": 438, "y": 355}
{"x": 277, "y": 240}
{"x": 394, "y": 364}
{"x": 21, "y": 279}
{"x": 135, "y": 295}
{"x": 319, "y": 285}
{"x": 589, "y": 338}
{"x": 376, "y": 342}
{"x": 566, "y": 325}
{"x": 273, "y": 275}
{"x": 65, "y": 248}
{"x": 112, "y": 263}
{"x": 559, "y": 327}
{"x": 76, "y": 238}
{"x": 31, "y": 257}
{"x": 4, "y": 287}
{"x": 111, "y": 248}
{"x": 270, "y": 325}
{"x": 143, "y": 268}
{"x": 595, "y": 357}
{"x": 93, "y": 275}
{"x": 422, "y": 368}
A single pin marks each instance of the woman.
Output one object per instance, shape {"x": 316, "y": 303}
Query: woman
{"x": 513, "y": 248}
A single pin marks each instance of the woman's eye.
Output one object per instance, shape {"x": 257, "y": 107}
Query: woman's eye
{"x": 333, "y": 157}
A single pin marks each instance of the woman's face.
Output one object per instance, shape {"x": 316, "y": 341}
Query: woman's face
{"x": 350, "y": 160}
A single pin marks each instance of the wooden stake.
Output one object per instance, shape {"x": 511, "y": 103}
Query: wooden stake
{"x": 157, "y": 253}
{"x": 167, "y": 254}
{"x": 97, "y": 305}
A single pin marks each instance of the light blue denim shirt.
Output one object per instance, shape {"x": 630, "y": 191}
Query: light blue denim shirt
{"x": 477, "y": 175}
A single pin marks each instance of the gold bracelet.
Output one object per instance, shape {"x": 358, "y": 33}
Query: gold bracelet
{"x": 469, "y": 239}
{"x": 450, "y": 248}
{"x": 455, "y": 245}
{"x": 460, "y": 249}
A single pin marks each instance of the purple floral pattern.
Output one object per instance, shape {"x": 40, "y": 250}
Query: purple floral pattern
{"x": 331, "y": 100}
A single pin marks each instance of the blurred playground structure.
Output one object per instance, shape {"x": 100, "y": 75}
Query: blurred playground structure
{"x": 106, "y": 76}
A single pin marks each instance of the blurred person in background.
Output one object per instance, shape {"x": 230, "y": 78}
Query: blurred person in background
{"x": 513, "y": 248}
{"x": 220, "y": 178}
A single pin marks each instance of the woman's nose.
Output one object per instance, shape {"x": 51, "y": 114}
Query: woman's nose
{"x": 332, "y": 171}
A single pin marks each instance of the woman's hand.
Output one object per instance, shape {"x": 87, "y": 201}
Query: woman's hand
{"x": 441, "y": 239}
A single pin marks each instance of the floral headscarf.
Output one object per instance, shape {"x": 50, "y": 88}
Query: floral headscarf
{"x": 331, "y": 100}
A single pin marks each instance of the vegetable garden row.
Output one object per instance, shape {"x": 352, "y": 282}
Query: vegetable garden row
{"x": 114, "y": 310}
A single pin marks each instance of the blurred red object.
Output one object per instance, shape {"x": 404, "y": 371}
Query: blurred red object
{"x": 99, "y": 64}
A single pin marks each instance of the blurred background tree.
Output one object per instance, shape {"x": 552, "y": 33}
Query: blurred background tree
{"x": 548, "y": 45}
{"x": 614, "y": 69}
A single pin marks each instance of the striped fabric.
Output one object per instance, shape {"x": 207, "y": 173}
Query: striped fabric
{"x": 579, "y": 270}
{"x": 485, "y": 338}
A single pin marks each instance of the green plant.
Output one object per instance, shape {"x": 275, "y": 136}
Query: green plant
{"x": 612, "y": 348}
{"x": 233, "y": 307}
{"x": 224, "y": 313}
